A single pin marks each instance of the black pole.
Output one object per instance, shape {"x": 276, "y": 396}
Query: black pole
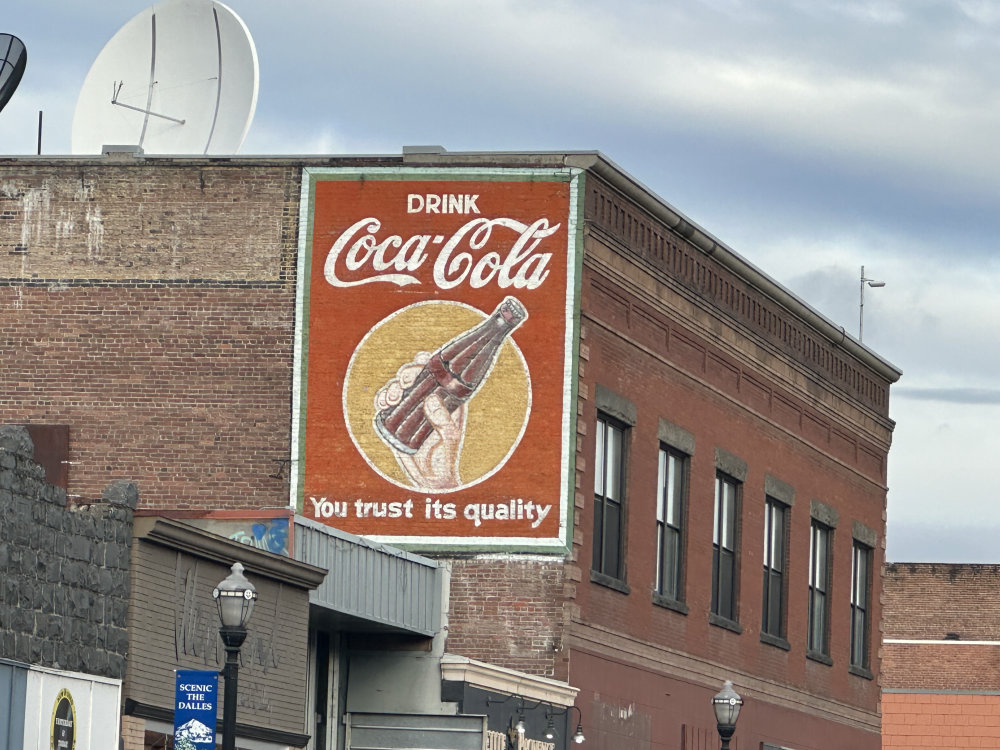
{"x": 39, "y": 132}
{"x": 232, "y": 638}
{"x": 725, "y": 733}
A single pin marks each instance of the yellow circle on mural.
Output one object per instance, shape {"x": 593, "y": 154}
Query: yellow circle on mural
{"x": 497, "y": 412}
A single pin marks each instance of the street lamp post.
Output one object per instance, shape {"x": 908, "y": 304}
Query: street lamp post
{"x": 726, "y": 704}
{"x": 861, "y": 302}
{"x": 235, "y": 596}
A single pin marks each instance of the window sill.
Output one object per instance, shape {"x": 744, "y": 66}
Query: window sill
{"x": 821, "y": 658}
{"x": 776, "y": 641}
{"x": 668, "y": 603}
{"x": 860, "y": 672}
{"x": 725, "y": 622}
{"x": 612, "y": 583}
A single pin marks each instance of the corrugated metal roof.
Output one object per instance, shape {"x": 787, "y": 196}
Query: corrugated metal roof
{"x": 369, "y": 586}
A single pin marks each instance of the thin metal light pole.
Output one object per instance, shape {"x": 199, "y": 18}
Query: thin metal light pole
{"x": 861, "y": 308}
{"x": 861, "y": 301}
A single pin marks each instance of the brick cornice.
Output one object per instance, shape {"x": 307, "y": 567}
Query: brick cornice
{"x": 660, "y": 239}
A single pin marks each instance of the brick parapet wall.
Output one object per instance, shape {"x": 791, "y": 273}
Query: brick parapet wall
{"x": 165, "y": 291}
{"x": 151, "y": 220}
{"x": 511, "y": 612}
{"x": 65, "y": 569}
{"x": 914, "y": 590}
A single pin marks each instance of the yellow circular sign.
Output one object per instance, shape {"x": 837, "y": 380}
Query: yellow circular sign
{"x": 496, "y": 415}
{"x": 63, "y": 722}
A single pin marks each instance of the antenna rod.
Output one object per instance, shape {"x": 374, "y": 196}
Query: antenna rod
{"x": 39, "y": 132}
{"x": 114, "y": 100}
{"x": 148, "y": 112}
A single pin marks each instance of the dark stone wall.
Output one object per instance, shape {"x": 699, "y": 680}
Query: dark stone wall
{"x": 64, "y": 569}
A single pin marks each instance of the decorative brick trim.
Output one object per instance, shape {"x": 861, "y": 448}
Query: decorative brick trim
{"x": 666, "y": 250}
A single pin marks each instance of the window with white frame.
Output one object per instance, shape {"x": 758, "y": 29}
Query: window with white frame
{"x": 609, "y": 498}
{"x": 820, "y": 537}
{"x": 670, "y": 510}
{"x": 724, "y": 547}
{"x": 860, "y": 594}
{"x": 775, "y": 554}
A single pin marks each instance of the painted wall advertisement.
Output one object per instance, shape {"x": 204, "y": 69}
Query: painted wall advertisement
{"x": 435, "y": 354}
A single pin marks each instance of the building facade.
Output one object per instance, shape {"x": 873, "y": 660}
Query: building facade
{"x": 658, "y": 469}
{"x": 939, "y": 687}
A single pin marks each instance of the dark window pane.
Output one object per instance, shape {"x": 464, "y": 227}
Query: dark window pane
{"x": 612, "y": 538}
{"x": 669, "y": 566}
{"x": 715, "y": 580}
{"x": 726, "y": 581}
{"x": 818, "y": 632}
{"x": 598, "y": 534}
{"x": 774, "y": 614}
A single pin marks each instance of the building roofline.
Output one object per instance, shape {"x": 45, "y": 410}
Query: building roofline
{"x": 590, "y": 160}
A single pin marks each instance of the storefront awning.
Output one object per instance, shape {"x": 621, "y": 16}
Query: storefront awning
{"x": 370, "y": 587}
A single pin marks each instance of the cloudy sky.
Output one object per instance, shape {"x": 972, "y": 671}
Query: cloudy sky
{"x": 812, "y": 136}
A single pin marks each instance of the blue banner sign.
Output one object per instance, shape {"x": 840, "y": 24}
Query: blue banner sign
{"x": 195, "y": 709}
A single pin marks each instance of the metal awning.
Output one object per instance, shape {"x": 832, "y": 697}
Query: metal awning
{"x": 414, "y": 732}
{"x": 370, "y": 587}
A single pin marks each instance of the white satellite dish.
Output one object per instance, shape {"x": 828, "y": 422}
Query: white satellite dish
{"x": 179, "y": 78}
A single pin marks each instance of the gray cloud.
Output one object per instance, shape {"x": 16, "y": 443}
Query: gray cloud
{"x": 981, "y": 396}
{"x": 961, "y": 543}
{"x": 812, "y": 136}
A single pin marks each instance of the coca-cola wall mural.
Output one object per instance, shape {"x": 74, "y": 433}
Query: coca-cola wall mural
{"x": 435, "y": 350}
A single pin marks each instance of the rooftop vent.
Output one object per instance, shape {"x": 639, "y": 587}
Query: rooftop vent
{"x": 408, "y": 150}
{"x": 116, "y": 151}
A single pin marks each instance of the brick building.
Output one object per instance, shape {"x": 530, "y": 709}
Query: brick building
{"x": 940, "y": 682}
{"x": 672, "y": 473}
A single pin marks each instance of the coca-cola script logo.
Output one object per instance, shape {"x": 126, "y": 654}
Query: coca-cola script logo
{"x": 437, "y": 395}
{"x": 364, "y": 254}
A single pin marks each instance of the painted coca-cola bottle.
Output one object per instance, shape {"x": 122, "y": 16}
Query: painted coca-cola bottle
{"x": 453, "y": 373}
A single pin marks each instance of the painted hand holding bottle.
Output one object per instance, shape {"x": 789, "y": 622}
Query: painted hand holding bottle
{"x": 421, "y": 413}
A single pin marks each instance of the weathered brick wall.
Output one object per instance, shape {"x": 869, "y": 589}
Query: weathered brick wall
{"x": 65, "y": 570}
{"x": 184, "y": 387}
{"x": 914, "y": 593}
{"x": 511, "y": 612}
{"x": 150, "y": 307}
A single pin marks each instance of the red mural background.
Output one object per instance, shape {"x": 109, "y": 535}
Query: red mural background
{"x": 399, "y": 266}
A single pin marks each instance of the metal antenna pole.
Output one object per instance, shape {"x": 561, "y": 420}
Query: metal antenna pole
{"x": 861, "y": 308}
{"x": 861, "y": 301}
